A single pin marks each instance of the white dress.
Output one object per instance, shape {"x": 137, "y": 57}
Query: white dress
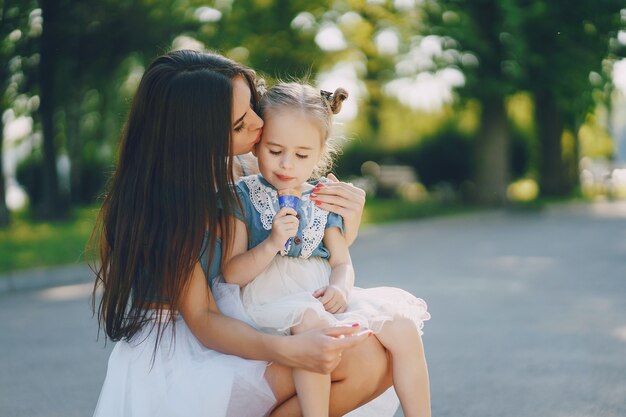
{"x": 182, "y": 379}
{"x": 277, "y": 299}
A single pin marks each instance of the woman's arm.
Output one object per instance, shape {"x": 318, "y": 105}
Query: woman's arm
{"x": 316, "y": 350}
{"x": 344, "y": 199}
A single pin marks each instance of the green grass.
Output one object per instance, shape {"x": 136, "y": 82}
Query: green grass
{"x": 30, "y": 244}
{"x": 390, "y": 210}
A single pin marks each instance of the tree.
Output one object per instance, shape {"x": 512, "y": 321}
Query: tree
{"x": 83, "y": 46}
{"x": 491, "y": 49}
{"x": 567, "y": 43}
{"x": 16, "y": 39}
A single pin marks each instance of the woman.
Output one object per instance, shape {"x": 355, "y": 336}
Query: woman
{"x": 160, "y": 233}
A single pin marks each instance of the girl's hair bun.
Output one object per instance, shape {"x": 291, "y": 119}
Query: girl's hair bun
{"x": 334, "y": 100}
{"x": 337, "y": 99}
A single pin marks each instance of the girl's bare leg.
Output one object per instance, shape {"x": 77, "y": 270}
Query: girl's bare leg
{"x": 353, "y": 384}
{"x": 313, "y": 389}
{"x": 410, "y": 373}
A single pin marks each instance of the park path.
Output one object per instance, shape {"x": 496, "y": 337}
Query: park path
{"x": 529, "y": 317}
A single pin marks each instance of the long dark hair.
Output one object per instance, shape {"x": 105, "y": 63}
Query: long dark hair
{"x": 172, "y": 181}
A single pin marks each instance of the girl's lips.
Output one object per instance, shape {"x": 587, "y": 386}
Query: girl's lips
{"x": 283, "y": 177}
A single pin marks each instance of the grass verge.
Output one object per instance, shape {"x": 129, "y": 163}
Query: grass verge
{"x": 30, "y": 244}
{"x": 390, "y": 210}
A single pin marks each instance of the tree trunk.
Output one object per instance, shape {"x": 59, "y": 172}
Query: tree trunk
{"x": 571, "y": 162}
{"x": 74, "y": 146}
{"x": 491, "y": 154}
{"x": 5, "y": 217}
{"x": 51, "y": 206}
{"x": 372, "y": 108}
{"x": 550, "y": 124}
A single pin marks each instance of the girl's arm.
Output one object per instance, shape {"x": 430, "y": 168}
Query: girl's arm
{"x": 316, "y": 350}
{"x": 240, "y": 265}
{"x": 335, "y": 296}
{"x": 344, "y": 199}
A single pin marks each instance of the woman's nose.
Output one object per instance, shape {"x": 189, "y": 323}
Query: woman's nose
{"x": 257, "y": 122}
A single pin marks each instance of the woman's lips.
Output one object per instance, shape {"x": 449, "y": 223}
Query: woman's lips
{"x": 258, "y": 138}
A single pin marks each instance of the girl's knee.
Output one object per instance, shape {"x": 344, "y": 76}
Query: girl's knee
{"x": 400, "y": 333}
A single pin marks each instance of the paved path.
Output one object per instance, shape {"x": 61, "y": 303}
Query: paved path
{"x": 529, "y": 317}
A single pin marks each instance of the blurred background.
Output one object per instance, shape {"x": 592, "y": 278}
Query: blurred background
{"x": 453, "y": 104}
{"x": 510, "y": 114}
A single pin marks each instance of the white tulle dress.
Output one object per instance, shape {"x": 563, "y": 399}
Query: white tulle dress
{"x": 182, "y": 379}
{"x": 185, "y": 379}
{"x": 277, "y": 299}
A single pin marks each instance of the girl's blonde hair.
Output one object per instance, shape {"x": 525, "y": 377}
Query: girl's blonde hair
{"x": 318, "y": 105}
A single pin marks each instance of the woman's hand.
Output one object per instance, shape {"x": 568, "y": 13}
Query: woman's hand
{"x": 334, "y": 298}
{"x": 319, "y": 350}
{"x": 343, "y": 199}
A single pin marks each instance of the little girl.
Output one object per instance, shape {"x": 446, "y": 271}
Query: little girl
{"x": 293, "y": 265}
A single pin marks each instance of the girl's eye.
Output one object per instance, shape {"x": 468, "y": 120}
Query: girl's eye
{"x": 274, "y": 152}
{"x": 240, "y": 127}
{"x": 302, "y": 156}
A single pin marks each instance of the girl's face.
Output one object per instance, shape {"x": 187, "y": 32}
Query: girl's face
{"x": 246, "y": 124}
{"x": 290, "y": 148}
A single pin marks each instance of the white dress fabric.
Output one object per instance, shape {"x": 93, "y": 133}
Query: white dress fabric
{"x": 181, "y": 379}
{"x": 278, "y": 298}
{"x": 228, "y": 299}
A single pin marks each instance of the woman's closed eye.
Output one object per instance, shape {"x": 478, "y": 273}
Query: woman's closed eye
{"x": 240, "y": 127}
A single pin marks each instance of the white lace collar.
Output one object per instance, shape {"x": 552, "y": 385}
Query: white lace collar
{"x": 264, "y": 198}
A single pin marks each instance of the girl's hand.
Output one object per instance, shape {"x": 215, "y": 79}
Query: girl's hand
{"x": 284, "y": 226}
{"x": 335, "y": 299}
{"x": 343, "y": 199}
{"x": 319, "y": 350}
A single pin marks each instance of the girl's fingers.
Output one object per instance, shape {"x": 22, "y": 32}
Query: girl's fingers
{"x": 326, "y": 299}
{"x": 319, "y": 292}
{"x": 286, "y": 211}
{"x": 331, "y": 308}
{"x": 335, "y": 307}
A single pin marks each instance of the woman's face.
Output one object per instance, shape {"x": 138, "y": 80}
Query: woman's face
{"x": 246, "y": 124}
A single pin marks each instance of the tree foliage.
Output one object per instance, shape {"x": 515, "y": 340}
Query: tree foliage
{"x": 549, "y": 48}
{"x": 74, "y": 77}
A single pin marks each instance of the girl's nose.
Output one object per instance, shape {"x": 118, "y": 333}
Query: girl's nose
{"x": 285, "y": 162}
